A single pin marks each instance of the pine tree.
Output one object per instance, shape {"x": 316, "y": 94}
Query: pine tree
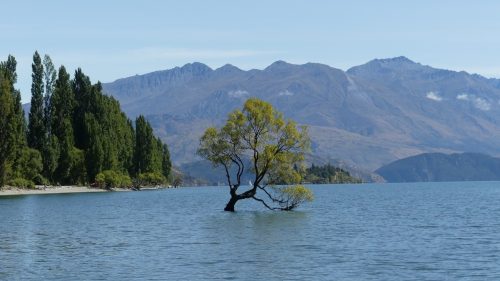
{"x": 157, "y": 162}
{"x": 62, "y": 103}
{"x": 18, "y": 122}
{"x": 81, "y": 87}
{"x": 51, "y": 150}
{"x": 36, "y": 127}
{"x": 7, "y": 130}
{"x": 166, "y": 163}
{"x": 50, "y": 76}
{"x": 144, "y": 146}
{"x": 94, "y": 157}
{"x": 75, "y": 131}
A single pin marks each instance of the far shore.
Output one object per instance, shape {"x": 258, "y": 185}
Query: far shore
{"x": 40, "y": 189}
{"x": 9, "y": 191}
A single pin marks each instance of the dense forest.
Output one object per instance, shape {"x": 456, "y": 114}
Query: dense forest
{"x": 74, "y": 134}
{"x": 328, "y": 174}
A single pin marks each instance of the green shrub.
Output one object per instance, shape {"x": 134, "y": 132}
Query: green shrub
{"x": 112, "y": 179}
{"x": 29, "y": 166}
{"x": 151, "y": 179}
{"x": 289, "y": 197}
{"x": 100, "y": 180}
{"x": 39, "y": 179}
{"x": 77, "y": 172}
{"x": 21, "y": 183}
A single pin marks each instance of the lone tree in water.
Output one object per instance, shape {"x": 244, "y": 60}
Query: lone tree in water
{"x": 275, "y": 147}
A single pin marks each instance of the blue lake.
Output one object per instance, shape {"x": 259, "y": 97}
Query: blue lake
{"x": 424, "y": 231}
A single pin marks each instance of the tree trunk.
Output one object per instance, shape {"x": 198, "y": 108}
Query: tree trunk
{"x": 231, "y": 203}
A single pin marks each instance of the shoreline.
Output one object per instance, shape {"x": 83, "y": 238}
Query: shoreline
{"x": 12, "y": 191}
{"x": 50, "y": 189}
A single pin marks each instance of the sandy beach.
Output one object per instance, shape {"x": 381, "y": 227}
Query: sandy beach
{"x": 8, "y": 191}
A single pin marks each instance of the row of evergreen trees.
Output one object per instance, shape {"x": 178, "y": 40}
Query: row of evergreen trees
{"x": 74, "y": 135}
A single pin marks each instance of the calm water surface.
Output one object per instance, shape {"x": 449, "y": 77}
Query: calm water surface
{"x": 431, "y": 231}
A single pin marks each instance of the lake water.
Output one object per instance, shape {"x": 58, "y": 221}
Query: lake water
{"x": 424, "y": 231}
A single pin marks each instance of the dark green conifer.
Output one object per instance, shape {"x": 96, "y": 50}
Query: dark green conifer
{"x": 166, "y": 163}
{"x": 144, "y": 146}
{"x": 62, "y": 103}
{"x": 18, "y": 123}
{"x": 50, "y": 153}
{"x": 7, "y": 130}
{"x": 36, "y": 127}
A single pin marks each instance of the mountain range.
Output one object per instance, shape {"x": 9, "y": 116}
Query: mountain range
{"x": 361, "y": 119}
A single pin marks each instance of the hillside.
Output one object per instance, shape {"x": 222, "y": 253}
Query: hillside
{"x": 367, "y": 116}
{"x": 443, "y": 167}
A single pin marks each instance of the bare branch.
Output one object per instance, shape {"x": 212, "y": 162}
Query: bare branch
{"x": 265, "y": 204}
{"x": 238, "y": 175}
{"x": 228, "y": 176}
{"x": 241, "y": 168}
{"x": 271, "y": 197}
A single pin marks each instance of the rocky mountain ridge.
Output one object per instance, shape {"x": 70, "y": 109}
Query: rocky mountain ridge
{"x": 367, "y": 116}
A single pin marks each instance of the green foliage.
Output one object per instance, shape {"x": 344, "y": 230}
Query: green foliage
{"x": 290, "y": 197}
{"x": 51, "y": 154}
{"x": 36, "y": 125}
{"x": 77, "y": 172}
{"x": 30, "y": 165}
{"x": 328, "y": 174}
{"x": 64, "y": 167}
{"x": 113, "y": 179}
{"x": 274, "y": 144}
{"x": 40, "y": 180}
{"x": 17, "y": 121}
{"x": 166, "y": 164}
{"x": 144, "y": 146}
{"x": 94, "y": 157}
{"x": 76, "y": 133}
{"x": 157, "y": 156}
{"x": 151, "y": 179}
{"x": 150, "y": 155}
{"x": 9, "y": 68}
{"x": 62, "y": 105}
{"x": 82, "y": 91}
{"x": 104, "y": 131}
{"x": 7, "y": 130}
{"x": 50, "y": 76}
{"x": 50, "y": 150}
{"x": 21, "y": 183}
{"x": 12, "y": 124}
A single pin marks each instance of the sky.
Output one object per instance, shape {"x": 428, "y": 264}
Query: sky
{"x": 116, "y": 39}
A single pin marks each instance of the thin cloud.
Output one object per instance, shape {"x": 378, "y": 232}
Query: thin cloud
{"x": 481, "y": 104}
{"x": 434, "y": 96}
{"x": 285, "y": 93}
{"x": 477, "y": 102}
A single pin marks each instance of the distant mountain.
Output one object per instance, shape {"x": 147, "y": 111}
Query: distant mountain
{"x": 367, "y": 116}
{"x": 443, "y": 167}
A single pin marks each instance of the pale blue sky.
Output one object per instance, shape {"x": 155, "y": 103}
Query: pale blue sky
{"x": 115, "y": 39}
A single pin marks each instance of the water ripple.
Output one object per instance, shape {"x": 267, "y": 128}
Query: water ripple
{"x": 445, "y": 231}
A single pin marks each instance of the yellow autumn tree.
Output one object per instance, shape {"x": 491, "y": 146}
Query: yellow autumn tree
{"x": 275, "y": 147}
